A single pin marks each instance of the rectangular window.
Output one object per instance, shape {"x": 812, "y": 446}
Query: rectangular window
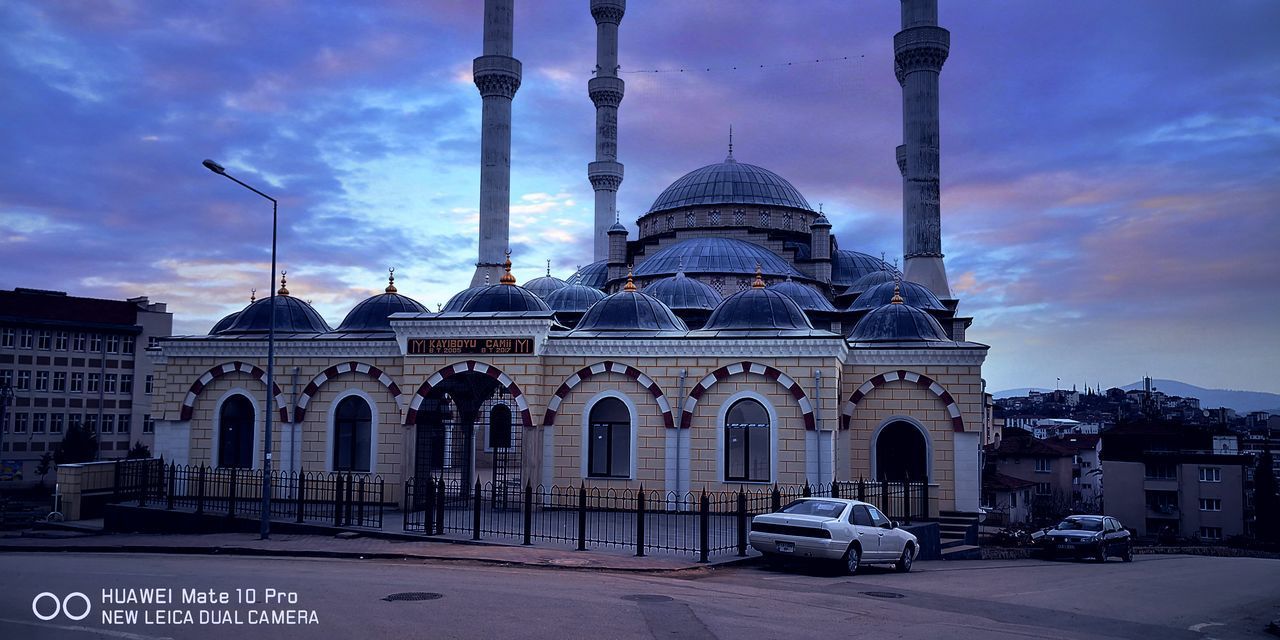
{"x": 153, "y": 341}
{"x": 126, "y": 383}
{"x": 94, "y": 380}
{"x": 44, "y": 340}
{"x": 1210, "y": 504}
{"x": 149, "y": 384}
{"x": 109, "y": 383}
{"x": 77, "y": 342}
{"x": 59, "y": 381}
{"x": 1043, "y": 489}
{"x": 148, "y": 423}
{"x": 1013, "y": 499}
{"x": 108, "y": 423}
{"x": 24, "y": 380}
{"x": 1211, "y": 533}
{"x": 747, "y": 452}
{"x": 24, "y": 338}
{"x": 6, "y": 377}
{"x": 95, "y": 343}
{"x": 1161, "y": 471}
{"x": 60, "y": 341}
{"x": 124, "y": 423}
{"x": 39, "y": 422}
{"x": 1042, "y": 465}
{"x": 77, "y": 382}
{"x": 55, "y": 423}
{"x": 609, "y": 450}
{"x": 1210, "y": 474}
{"x": 7, "y": 335}
{"x": 113, "y": 344}
{"x": 90, "y": 422}
{"x": 126, "y": 346}
{"x": 20, "y": 423}
{"x": 42, "y": 381}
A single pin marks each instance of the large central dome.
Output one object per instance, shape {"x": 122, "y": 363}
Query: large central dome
{"x": 730, "y": 182}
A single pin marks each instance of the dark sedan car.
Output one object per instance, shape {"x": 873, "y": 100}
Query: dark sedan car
{"x": 1094, "y": 537}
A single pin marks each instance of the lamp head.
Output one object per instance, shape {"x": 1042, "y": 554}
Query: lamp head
{"x": 214, "y": 167}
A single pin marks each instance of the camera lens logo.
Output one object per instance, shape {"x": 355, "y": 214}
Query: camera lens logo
{"x": 48, "y": 606}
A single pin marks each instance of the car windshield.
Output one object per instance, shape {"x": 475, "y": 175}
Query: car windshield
{"x": 1080, "y": 524}
{"x": 827, "y": 508}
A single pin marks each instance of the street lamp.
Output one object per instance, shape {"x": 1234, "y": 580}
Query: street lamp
{"x": 265, "y": 526}
{"x": 6, "y": 394}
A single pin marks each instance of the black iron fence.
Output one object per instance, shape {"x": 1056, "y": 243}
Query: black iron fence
{"x": 339, "y": 499}
{"x": 703, "y": 523}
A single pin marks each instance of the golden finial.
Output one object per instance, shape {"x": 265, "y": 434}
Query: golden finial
{"x": 284, "y": 291}
{"x": 897, "y": 293}
{"x": 631, "y": 285}
{"x": 507, "y": 278}
{"x": 253, "y": 296}
{"x": 759, "y": 283}
{"x": 391, "y": 280}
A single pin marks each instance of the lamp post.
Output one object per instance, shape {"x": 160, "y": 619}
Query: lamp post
{"x": 6, "y": 394}
{"x": 265, "y": 526}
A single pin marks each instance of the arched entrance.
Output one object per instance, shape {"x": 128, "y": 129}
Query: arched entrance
{"x": 465, "y": 433}
{"x": 901, "y": 453}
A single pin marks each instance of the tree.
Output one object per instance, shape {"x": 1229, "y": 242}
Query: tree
{"x": 45, "y": 466}
{"x": 139, "y": 450}
{"x": 78, "y": 445}
{"x": 1266, "y": 502}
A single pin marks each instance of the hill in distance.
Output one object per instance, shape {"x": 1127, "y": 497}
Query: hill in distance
{"x": 1241, "y": 401}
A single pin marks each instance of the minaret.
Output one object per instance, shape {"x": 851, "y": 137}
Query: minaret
{"x": 606, "y": 90}
{"x": 919, "y": 51}
{"x": 497, "y": 75}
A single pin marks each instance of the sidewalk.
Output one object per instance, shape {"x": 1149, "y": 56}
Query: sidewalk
{"x": 357, "y": 548}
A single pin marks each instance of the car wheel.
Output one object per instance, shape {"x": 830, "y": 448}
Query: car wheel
{"x": 904, "y": 562}
{"x": 851, "y": 559}
{"x": 1101, "y": 554}
{"x": 1127, "y": 556}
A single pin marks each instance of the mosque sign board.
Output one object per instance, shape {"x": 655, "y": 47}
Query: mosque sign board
{"x": 470, "y": 346}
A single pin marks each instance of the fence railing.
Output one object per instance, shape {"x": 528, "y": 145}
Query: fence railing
{"x": 339, "y": 499}
{"x": 702, "y": 523}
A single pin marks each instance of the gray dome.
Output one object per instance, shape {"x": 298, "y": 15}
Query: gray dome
{"x": 898, "y": 323}
{"x": 592, "y": 275}
{"x": 758, "y": 308}
{"x": 847, "y": 266}
{"x": 730, "y": 182}
{"x": 225, "y": 323}
{"x": 371, "y": 314}
{"x": 630, "y": 311}
{"x": 505, "y": 298}
{"x": 543, "y": 286}
{"x": 916, "y": 295}
{"x": 805, "y": 296}
{"x": 291, "y": 316}
{"x": 680, "y": 292}
{"x": 462, "y": 297}
{"x": 870, "y": 280}
{"x": 716, "y": 255}
{"x": 573, "y": 298}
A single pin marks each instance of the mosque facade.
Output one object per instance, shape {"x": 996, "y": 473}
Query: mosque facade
{"x": 731, "y": 343}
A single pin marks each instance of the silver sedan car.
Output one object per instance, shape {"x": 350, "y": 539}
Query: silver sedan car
{"x": 851, "y": 532}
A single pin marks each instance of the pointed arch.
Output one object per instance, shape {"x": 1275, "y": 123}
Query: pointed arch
{"x": 189, "y": 402}
{"x": 336, "y": 370}
{"x": 522, "y": 404}
{"x": 920, "y": 380}
{"x": 601, "y": 368}
{"x": 737, "y": 368}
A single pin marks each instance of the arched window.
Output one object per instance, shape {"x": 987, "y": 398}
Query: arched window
{"x": 609, "y": 440}
{"x": 500, "y": 427}
{"x": 901, "y": 453}
{"x": 746, "y": 442}
{"x": 351, "y": 430}
{"x": 235, "y": 432}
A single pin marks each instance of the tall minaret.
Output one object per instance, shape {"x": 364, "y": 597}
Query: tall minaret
{"x": 497, "y": 75}
{"x": 605, "y": 90}
{"x": 919, "y": 51}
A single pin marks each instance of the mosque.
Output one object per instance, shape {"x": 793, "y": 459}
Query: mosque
{"x": 732, "y": 342}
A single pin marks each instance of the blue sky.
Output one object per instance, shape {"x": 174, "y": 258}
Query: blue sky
{"x": 1109, "y": 169}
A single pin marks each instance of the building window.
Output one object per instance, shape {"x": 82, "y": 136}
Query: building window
{"x": 499, "y": 434}
{"x": 1043, "y": 465}
{"x": 20, "y": 423}
{"x": 742, "y": 285}
{"x": 39, "y": 422}
{"x": 1211, "y": 533}
{"x": 109, "y": 383}
{"x": 60, "y": 381}
{"x": 153, "y": 341}
{"x": 148, "y": 423}
{"x": 109, "y": 423}
{"x": 126, "y": 383}
{"x": 24, "y": 380}
{"x": 352, "y": 423}
{"x": 718, "y": 285}
{"x": 7, "y": 335}
{"x": 691, "y": 219}
{"x": 746, "y": 443}
{"x": 44, "y": 340}
{"x": 235, "y": 432}
{"x": 1013, "y": 499}
{"x": 55, "y": 422}
{"x": 671, "y": 222}
{"x": 149, "y": 384}
{"x": 1210, "y": 474}
{"x": 788, "y": 220}
{"x": 77, "y": 342}
{"x": 714, "y": 218}
{"x": 609, "y": 440}
{"x": 1043, "y": 489}
{"x": 764, "y": 218}
{"x": 126, "y": 346}
{"x": 60, "y": 341}
{"x": 77, "y": 382}
{"x": 124, "y": 423}
{"x": 95, "y": 343}
{"x": 1210, "y": 504}
{"x": 24, "y": 338}
{"x": 94, "y": 380}
{"x": 113, "y": 344}
{"x": 739, "y": 217}
{"x": 42, "y": 381}
{"x": 1161, "y": 471}
{"x": 90, "y": 422}
{"x": 6, "y": 377}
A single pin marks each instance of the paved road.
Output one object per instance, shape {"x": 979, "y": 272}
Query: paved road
{"x": 1154, "y": 597}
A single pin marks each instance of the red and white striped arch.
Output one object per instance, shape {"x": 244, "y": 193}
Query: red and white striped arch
{"x": 920, "y": 380}
{"x": 600, "y": 368}
{"x": 462, "y": 367}
{"x": 338, "y": 369}
{"x": 737, "y": 368}
{"x": 189, "y": 402}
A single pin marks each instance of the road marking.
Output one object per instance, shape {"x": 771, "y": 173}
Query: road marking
{"x": 96, "y": 631}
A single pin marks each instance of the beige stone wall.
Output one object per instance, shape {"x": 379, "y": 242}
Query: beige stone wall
{"x": 650, "y": 438}
{"x": 317, "y": 426}
{"x": 706, "y": 453}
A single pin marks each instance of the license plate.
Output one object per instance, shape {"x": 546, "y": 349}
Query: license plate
{"x": 1067, "y": 545}
{"x": 786, "y": 547}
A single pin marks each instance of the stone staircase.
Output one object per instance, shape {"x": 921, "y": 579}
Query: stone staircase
{"x": 959, "y": 535}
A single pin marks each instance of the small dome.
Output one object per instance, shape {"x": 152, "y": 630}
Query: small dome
{"x": 545, "y": 285}
{"x": 870, "y": 280}
{"x": 916, "y": 295}
{"x": 592, "y": 275}
{"x": 715, "y": 256}
{"x": 680, "y": 292}
{"x": 371, "y": 314}
{"x": 630, "y": 311}
{"x": 805, "y": 296}
{"x": 617, "y": 228}
{"x": 224, "y": 323}
{"x": 291, "y": 316}
{"x": 461, "y": 298}
{"x": 758, "y": 308}
{"x": 898, "y": 323}
{"x": 730, "y": 182}
{"x": 847, "y": 266}
{"x": 573, "y": 298}
{"x": 505, "y": 298}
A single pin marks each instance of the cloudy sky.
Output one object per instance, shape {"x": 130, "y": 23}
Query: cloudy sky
{"x": 1110, "y": 182}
